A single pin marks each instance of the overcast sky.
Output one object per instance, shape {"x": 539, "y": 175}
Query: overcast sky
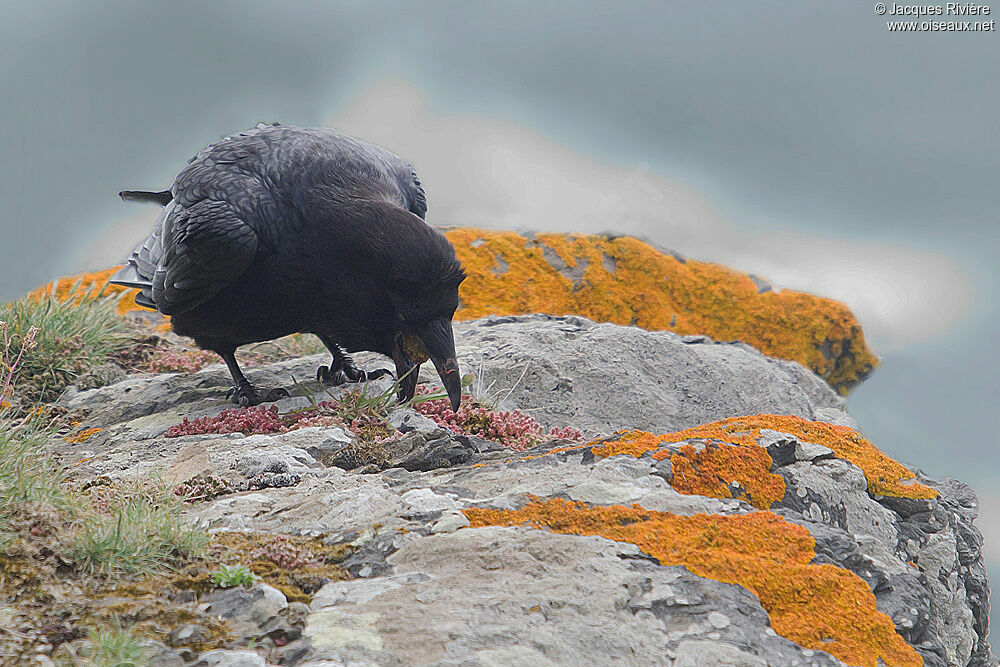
{"x": 801, "y": 141}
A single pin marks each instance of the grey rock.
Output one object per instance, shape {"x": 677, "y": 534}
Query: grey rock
{"x": 246, "y": 608}
{"x": 438, "y": 449}
{"x": 223, "y": 658}
{"x": 700, "y": 652}
{"x": 536, "y": 597}
{"x": 164, "y": 656}
{"x": 909, "y": 551}
{"x": 808, "y": 451}
{"x": 189, "y": 633}
{"x": 780, "y": 446}
{"x": 408, "y": 419}
{"x": 321, "y": 443}
{"x": 539, "y": 597}
{"x": 450, "y": 522}
{"x": 267, "y": 457}
{"x": 671, "y": 382}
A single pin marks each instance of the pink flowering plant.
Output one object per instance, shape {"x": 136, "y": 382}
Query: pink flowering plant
{"x": 364, "y": 414}
{"x": 511, "y": 428}
{"x": 285, "y": 554}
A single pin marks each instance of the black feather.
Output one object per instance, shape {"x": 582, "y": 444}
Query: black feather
{"x": 161, "y": 198}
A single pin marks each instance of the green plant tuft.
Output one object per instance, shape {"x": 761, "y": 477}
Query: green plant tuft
{"x": 109, "y": 647}
{"x": 30, "y": 482}
{"x": 230, "y": 576}
{"x": 72, "y": 337}
{"x": 138, "y": 531}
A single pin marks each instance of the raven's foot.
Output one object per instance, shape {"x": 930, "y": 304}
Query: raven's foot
{"x": 332, "y": 376}
{"x": 247, "y": 395}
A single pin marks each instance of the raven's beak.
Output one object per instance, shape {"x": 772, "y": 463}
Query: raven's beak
{"x": 407, "y": 372}
{"x": 439, "y": 341}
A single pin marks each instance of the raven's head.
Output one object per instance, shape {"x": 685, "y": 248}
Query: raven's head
{"x": 423, "y": 331}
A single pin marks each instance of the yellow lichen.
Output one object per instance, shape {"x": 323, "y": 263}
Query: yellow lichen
{"x": 78, "y": 285}
{"x": 82, "y": 436}
{"x": 885, "y": 476}
{"x": 733, "y": 455}
{"x": 626, "y": 281}
{"x": 821, "y": 607}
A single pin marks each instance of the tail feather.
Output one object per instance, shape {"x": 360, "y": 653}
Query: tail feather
{"x": 144, "y": 299}
{"x": 128, "y": 276}
{"x": 161, "y": 198}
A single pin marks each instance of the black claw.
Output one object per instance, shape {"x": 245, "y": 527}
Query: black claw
{"x": 247, "y": 395}
{"x": 351, "y": 371}
{"x": 329, "y": 377}
{"x": 347, "y": 371}
{"x": 276, "y": 395}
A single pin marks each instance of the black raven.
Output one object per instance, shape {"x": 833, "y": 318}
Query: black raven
{"x": 283, "y": 229}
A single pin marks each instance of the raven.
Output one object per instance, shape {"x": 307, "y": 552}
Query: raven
{"x": 283, "y": 229}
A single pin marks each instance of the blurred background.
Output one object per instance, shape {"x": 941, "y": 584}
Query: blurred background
{"x": 799, "y": 141}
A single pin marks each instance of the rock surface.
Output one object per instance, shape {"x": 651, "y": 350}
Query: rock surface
{"x": 429, "y": 589}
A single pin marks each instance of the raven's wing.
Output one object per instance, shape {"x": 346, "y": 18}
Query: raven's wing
{"x": 205, "y": 247}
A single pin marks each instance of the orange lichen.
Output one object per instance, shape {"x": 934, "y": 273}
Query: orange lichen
{"x": 82, "y": 436}
{"x": 716, "y": 470}
{"x": 626, "y": 281}
{"x": 76, "y": 286}
{"x": 633, "y": 443}
{"x": 733, "y": 455}
{"x": 885, "y": 476}
{"x": 726, "y": 471}
{"x": 821, "y": 607}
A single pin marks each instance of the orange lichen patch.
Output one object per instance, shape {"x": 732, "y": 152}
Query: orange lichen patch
{"x": 820, "y": 607}
{"x": 626, "y": 281}
{"x": 726, "y": 471}
{"x": 716, "y": 470}
{"x": 82, "y": 436}
{"x": 885, "y": 476}
{"x": 733, "y": 455}
{"x": 633, "y": 443}
{"x": 76, "y": 286}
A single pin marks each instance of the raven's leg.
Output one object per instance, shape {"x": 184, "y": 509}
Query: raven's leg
{"x": 243, "y": 392}
{"x": 342, "y": 368}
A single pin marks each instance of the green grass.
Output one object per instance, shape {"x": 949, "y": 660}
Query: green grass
{"x": 109, "y": 647}
{"x": 73, "y": 337}
{"x": 230, "y": 576}
{"x": 30, "y": 482}
{"x": 139, "y": 532}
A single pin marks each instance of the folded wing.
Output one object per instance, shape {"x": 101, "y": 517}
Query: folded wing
{"x": 204, "y": 247}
